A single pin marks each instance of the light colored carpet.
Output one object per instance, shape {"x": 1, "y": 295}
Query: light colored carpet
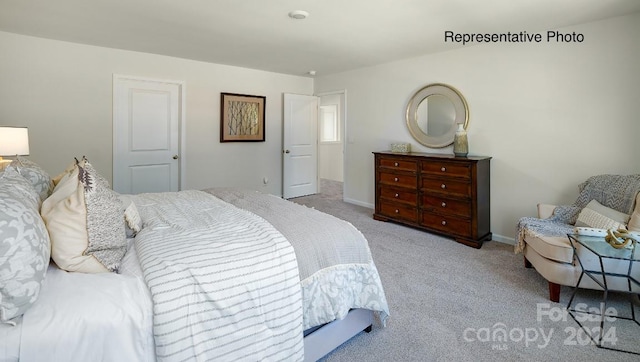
{"x": 449, "y": 302}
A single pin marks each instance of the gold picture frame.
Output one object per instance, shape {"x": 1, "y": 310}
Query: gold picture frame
{"x": 242, "y": 118}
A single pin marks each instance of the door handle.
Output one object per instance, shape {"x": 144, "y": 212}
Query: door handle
{"x": 286, "y": 151}
{"x": 175, "y": 157}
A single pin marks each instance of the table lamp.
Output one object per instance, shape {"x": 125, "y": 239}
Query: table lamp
{"x": 14, "y": 141}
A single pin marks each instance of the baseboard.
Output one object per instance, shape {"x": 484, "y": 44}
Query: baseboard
{"x": 503, "y": 239}
{"x": 359, "y": 203}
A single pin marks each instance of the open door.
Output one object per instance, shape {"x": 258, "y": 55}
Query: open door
{"x": 300, "y": 146}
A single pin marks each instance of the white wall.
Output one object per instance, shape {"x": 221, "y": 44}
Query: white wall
{"x": 549, "y": 114}
{"x": 63, "y": 93}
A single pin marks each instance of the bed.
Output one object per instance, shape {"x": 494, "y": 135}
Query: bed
{"x": 222, "y": 273}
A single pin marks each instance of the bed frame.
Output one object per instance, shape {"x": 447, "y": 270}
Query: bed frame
{"x": 328, "y": 337}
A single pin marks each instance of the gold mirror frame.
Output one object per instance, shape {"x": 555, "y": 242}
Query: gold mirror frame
{"x": 459, "y": 103}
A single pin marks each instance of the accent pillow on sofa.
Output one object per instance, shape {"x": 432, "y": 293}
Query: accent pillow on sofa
{"x": 38, "y": 177}
{"x": 85, "y": 221}
{"x": 596, "y": 215}
{"x": 24, "y": 245}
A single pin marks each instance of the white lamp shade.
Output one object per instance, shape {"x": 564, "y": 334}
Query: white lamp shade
{"x": 14, "y": 141}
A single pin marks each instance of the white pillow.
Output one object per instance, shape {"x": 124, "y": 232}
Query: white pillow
{"x": 595, "y": 215}
{"x": 133, "y": 222}
{"x": 85, "y": 221}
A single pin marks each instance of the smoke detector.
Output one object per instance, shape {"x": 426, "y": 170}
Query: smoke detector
{"x": 298, "y": 14}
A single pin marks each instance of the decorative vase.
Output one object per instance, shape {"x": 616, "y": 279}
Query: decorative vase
{"x": 460, "y": 142}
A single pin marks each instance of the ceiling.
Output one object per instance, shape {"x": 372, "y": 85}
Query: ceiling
{"x": 338, "y": 35}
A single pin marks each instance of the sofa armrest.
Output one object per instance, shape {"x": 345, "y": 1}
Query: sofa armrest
{"x": 545, "y": 210}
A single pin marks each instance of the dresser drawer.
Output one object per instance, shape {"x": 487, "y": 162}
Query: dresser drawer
{"x": 446, "y": 169}
{"x": 408, "y": 197}
{"x": 401, "y": 180}
{"x": 447, "y": 186}
{"x": 447, "y": 224}
{"x": 398, "y": 211}
{"x": 446, "y": 206}
{"x": 398, "y": 164}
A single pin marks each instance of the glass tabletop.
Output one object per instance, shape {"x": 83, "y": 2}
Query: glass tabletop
{"x": 599, "y": 246}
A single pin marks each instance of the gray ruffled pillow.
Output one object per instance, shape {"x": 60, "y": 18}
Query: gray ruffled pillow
{"x": 24, "y": 246}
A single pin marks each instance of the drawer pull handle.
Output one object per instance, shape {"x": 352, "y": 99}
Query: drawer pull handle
{"x": 395, "y": 179}
{"x": 397, "y": 211}
{"x": 443, "y": 169}
{"x": 444, "y": 204}
{"x": 395, "y": 164}
{"x": 397, "y": 195}
{"x": 443, "y": 186}
{"x": 444, "y": 222}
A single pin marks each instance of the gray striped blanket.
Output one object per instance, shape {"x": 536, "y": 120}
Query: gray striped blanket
{"x": 337, "y": 272}
{"x": 224, "y": 282}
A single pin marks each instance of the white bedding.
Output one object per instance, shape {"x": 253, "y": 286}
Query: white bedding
{"x": 224, "y": 282}
{"x": 114, "y": 312}
{"x": 84, "y": 317}
{"x": 10, "y": 341}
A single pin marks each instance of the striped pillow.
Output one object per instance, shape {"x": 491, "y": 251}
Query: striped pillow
{"x": 596, "y": 215}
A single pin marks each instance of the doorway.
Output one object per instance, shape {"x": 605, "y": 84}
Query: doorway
{"x": 331, "y": 142}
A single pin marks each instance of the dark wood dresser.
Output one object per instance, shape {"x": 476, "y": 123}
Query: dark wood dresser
{"x": 435, "y": 192}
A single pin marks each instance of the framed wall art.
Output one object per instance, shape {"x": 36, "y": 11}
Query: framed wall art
{"x": 241, "y": 117}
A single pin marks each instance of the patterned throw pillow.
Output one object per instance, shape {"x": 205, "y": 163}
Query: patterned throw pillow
{"x": 596, "y": 215}
{"x": 38, "y": 177}
{"x": 85, "y": 221}
{"x": 105, "y": 220}
{"x": 24, "y": 246}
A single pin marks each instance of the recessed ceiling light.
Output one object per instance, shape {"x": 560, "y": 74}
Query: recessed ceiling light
{"x": 298, "y": 14}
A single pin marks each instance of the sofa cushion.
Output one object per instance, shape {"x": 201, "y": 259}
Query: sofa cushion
{"x": 555, "y": 248}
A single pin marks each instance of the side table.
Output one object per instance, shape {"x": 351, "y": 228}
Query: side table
{"x": 614, "y": 271}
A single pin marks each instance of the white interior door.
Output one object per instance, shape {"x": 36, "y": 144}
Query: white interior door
{"x": 146, "y": 135}
{"x": 300, "y": 145}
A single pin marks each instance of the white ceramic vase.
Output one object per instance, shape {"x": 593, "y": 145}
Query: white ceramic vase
{"x": 460, "y": 142}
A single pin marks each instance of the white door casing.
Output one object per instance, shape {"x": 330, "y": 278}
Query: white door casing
{"x": 300, "y": 145}
{"x": 147, "y": 121}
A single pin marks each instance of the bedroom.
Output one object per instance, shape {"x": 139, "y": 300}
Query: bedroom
{"x": 550, "y": 115}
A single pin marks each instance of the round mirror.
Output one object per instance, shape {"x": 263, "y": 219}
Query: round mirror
{"x": 433, "y": 114}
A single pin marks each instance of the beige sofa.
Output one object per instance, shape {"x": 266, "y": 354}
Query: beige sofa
{"x": 553, "y": 256}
